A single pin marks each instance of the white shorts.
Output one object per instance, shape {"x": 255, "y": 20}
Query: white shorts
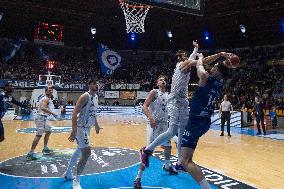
{"x": 41, "y": 125}
{"x": 152, "y": 134}
{"x": 83, "y": 137}
{"x": 178, "y": 114}
{"x": 178, "y": 119}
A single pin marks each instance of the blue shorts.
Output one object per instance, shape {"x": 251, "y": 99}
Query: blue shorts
{"x": 196, "y": 127}
{"x": 1, "y": 128}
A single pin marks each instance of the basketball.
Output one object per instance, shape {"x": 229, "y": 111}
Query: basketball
{"x": 234, "y": 60}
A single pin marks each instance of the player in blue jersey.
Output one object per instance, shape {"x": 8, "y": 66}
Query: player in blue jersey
{"x": 177, "y": 105}
{"x": 6, "y": 101}
{"x": 209, "y": 88}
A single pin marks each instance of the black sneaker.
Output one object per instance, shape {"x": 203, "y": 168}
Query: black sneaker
{"x": 68, "y": 176}
{"x": 179, "y": 168}
{"x": 137, "y": 183}
{"x": 47, "y": 151}
{"x": 31, "y": 156}
{"x": 171, "y": 170}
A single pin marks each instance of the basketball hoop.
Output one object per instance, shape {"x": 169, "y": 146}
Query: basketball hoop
{"x": 135, "y": 15}
{"x": 48, "y": 80}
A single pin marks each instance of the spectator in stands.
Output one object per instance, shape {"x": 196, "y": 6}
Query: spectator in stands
{"x": 70, "y": 103}
{"x": 259, "y": 115}
{"x": 273, "y": 117}
{"x": 115, "y": 103}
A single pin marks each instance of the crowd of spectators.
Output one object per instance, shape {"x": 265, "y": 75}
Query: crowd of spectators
{"x": 28, "y": 65}
{"x": 258, "y": 76}
{"x": 266, "y": 82}
{"x": 255, "y": 78}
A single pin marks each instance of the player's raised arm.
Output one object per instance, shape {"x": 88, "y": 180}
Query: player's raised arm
{"x": 187, "y": 64}
{"x": 201, "y": 72}
{"x": 214, "y": 57}
{"x": 194, "y": 53}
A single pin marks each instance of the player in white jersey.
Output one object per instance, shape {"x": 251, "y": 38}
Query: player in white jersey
{"x": 177, "y": 104}
{"x": 42, "y": 127}
{"x": 83, "y": 118}
{"x": 155, "y": 109}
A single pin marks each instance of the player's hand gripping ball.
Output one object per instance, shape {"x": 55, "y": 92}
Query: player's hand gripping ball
{"x": 233, "y": 61}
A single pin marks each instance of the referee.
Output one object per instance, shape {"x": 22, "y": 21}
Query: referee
{"x": 225, "y": 111}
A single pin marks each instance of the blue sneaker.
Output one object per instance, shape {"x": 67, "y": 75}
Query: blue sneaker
{"x": 179, "y": 168}
{"x": 171, "y": 170}
{"x": 144, "y": 156}
{"x": 137, "y": 183}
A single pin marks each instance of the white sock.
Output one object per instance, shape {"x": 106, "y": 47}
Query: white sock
{"x": 77, "y": 178}
{"x": 175, "y": 139}
{"x": 180, "y": 134}
{"x": 140, "y": 172}
{"x": 167, "y": 164}
{"x": 204, "y": 184}
{"x": 76, "y": 183}
{"x": 76, "y": 154}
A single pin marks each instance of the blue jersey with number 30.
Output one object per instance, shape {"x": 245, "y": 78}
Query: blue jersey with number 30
{"x": 202, "y": 101}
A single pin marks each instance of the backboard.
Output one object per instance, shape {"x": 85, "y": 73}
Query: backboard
{"x": 195, "y": 7}
{"x": 49, "y": 80}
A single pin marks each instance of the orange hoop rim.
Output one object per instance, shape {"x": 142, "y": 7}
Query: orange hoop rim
{"x": 134, "y": 6}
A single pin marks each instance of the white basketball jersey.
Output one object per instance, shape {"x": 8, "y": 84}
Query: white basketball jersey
{"x": 158, "y": 108}
{"x": 179, "y": 87}
{"x": 87, "y": 116}
{"x": 39, "y": 108}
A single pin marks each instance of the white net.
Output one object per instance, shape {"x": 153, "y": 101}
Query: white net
{"x": 135, "y": 15}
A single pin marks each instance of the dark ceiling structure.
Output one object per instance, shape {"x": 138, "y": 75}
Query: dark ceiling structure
{"x": 221, "y": 20}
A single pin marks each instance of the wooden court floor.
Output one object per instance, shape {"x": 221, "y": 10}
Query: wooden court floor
{"x": 253, "y": 160}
